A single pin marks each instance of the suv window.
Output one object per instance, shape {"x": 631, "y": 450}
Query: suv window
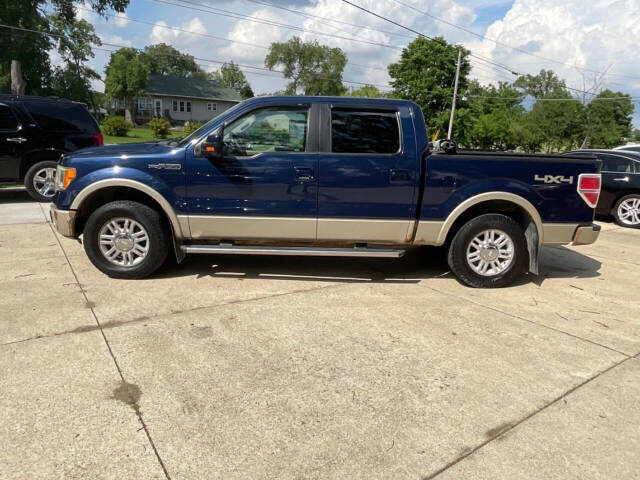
{"x": 267, "y": 130}
{"x": 615, "y": 163}
{"x": 364, "y": 132}
{"x": 61, "y": 117}
{"x": 7, "y": 119}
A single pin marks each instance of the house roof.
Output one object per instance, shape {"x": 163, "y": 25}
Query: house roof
{"x": 189, "y": 88}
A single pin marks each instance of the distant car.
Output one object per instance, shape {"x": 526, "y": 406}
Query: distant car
{"x": 632, "y": 147}
{"x": 620, "y": 193}
{"x": 34, "y": 133}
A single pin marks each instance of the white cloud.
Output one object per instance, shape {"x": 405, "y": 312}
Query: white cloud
{"x": 177, "y": 38}
{"x": 115, "y": 41}
{"x": 595, "y": 36}
{"x": 122, "y": 20}
{"x": 250, "y": 36}
{"x": 86, "y": 13}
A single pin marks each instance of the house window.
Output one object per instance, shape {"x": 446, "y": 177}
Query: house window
{"x": 145, "y": 103}
{"x": 212, "y": 107}
{"x": 174, "y": 107}
{"x": 188, "y": 106}
{"x": 181, "y": 106}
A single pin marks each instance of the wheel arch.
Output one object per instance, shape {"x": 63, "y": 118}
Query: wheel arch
{"x": 104, "y": 191}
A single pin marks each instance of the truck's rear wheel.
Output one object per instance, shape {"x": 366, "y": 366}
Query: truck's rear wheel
{"x": 126, "y": 239}
{"x": 489, "y": 251}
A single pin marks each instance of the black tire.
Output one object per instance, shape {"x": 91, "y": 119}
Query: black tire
{"x": 29, "y": 181}
{"x": 616, "y": 214}
{"x": 457, "y": 254}
{"x": 150, "y": 219}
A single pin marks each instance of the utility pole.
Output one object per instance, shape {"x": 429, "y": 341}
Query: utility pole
{"x": 455, "y": 95}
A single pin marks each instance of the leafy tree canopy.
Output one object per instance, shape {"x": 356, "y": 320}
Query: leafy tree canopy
{"x": 312, "y": 68}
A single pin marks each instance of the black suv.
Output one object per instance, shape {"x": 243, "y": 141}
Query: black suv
{"x": 34, "y": 132}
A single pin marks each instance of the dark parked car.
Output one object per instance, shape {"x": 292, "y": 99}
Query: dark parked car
{"x": 620, "y": 194}
{"x": 34, "y": 132}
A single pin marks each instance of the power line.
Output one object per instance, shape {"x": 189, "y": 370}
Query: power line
{"x": 222, "y": 62}
{"x": 502, "y": 44}
{"x": 227, "y": 13}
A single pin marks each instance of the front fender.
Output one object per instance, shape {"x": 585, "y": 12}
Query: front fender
{"x": 116, "y": 176}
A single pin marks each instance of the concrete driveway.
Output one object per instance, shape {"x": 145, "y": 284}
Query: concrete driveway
{"x": 230, "y": 367}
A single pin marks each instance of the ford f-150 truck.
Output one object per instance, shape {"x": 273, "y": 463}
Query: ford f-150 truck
{"x": 322, "y": 176}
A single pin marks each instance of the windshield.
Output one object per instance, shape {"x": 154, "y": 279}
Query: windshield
{"x": 204, "y": 128}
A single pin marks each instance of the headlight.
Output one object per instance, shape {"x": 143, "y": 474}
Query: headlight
{"x": 64, "y": 176}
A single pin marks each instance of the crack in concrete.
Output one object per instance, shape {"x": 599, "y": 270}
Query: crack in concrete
{"x": 113, "y": 357}
{"x": 121, "y": 323}
{"x": 505, "y": 428}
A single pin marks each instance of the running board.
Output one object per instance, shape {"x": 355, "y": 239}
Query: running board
{"x": 318, "y": 252}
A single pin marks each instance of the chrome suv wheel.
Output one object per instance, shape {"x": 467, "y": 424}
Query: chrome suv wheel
{"x": 40, "y": 181}
{"x": 126, "y": 239}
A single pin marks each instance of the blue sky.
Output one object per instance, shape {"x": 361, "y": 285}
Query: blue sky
{"x": 521, "y": 35}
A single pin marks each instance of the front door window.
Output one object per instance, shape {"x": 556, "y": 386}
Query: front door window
{"x": 267, "y": 130}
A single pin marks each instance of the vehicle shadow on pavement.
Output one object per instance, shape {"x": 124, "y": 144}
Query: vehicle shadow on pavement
{"x": 417, "y": 265}
{"x": 15, "y": 195}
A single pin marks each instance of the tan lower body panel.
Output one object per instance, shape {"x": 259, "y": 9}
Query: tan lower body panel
{"x": 238, "y": 228}
{"x": 558, "y": 233}
{"x": 365, "y": 230}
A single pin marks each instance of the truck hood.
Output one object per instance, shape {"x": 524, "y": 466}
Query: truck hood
{"x": 117, "y": 151}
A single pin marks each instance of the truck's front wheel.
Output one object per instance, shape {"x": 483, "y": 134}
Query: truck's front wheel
{"x": 126, "y": 239}
{"x": 488, "y": 251}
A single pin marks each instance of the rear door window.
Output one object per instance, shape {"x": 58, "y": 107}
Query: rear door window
{"x": 616, "y": 163}
{"x": 354, "y": 131}
{"x": 8, "y": 121}
{"x": 61, "y": 117}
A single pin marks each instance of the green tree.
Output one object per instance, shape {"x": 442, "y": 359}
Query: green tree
{"x": 607, "y": 122}
{"x": 74, "y": 44}
{"x": 231, "y": 76}
{"x": 366, "y": 91}
{"x": 544, "y": 84}
{"x": 163, "y": 59}
{"x": 27, "y": 52}
{"x": 425, "y": 74}
{"x": 126, "y": 77}
{"x": 312, "y": 68}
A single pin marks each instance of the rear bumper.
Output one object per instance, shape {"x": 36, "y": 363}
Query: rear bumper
{"x": 64, "y": 221}
{"x": 586, "y": 234}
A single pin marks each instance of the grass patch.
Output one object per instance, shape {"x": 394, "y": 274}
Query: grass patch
{"x": 137, "y": 135}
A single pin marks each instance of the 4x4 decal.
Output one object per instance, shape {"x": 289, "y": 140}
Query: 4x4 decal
{"x": 553, "y": 179}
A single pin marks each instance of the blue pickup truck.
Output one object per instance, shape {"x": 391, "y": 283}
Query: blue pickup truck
{"x": 322, "y": 176}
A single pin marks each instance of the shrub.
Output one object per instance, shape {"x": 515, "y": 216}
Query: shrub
{"x": 191, "y": 127}
{"x": 160, "y": 127}
{"x": 115, "y": 126}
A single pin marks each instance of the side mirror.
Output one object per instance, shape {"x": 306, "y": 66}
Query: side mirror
{"x": 211, "y": 147}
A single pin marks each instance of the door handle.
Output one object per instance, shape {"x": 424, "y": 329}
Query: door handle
{"x": 304, "y": 174}
{"x": 396, "y": 175}
{"x": 623, "y": 179}
{"x": 16, "y": 139}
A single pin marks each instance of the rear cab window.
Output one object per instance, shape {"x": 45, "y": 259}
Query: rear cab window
{"x": 62, "y": 117}
{"x": 357, "y": 131}
{"x": 8, "y": 121}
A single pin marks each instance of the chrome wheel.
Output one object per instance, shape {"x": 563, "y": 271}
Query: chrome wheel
{"x": 490, "y": 252}
{"x": 124, "y": 242}
{"x": 629, "y": 211}
{"x": 44, "y": 181}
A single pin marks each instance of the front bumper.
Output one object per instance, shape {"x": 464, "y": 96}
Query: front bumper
{"x": 586, "y": 234}
{"x": 63, "y": 220}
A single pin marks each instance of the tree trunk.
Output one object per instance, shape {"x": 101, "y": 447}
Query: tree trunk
{"x": 128, "y": 111}
{"x": 18, "y": 84}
